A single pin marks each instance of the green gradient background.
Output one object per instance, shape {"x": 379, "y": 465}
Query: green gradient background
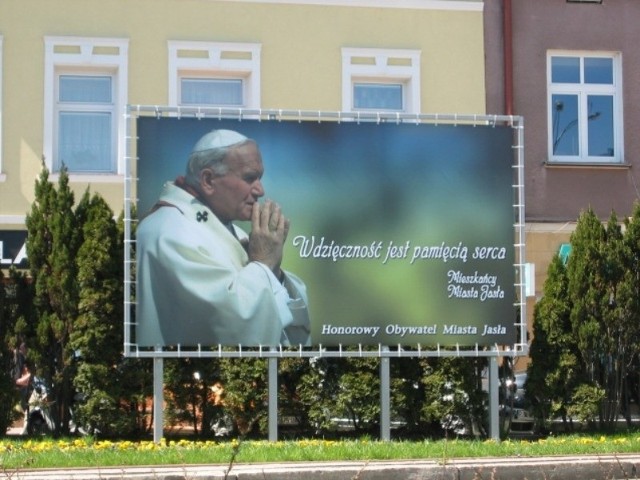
{"x": 358, "y": 183}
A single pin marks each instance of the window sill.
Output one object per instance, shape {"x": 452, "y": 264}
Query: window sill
{"x": 90, "y": 178}
{"x": 586, "y": 165}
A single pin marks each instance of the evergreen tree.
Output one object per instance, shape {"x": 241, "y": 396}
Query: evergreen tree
{"x": 619, "y": 327}
{"x": 16, "y": 308}
{"x": 553, "y": 373}
{"x": 76, "y": 266}
{"x": 599, "y": 315}
{"x": 22, "y": 312}
{"x": 97, "y": 336}
{"x": 135, "y": 375}
{"x": 592, "y": 309}
{"x": 8, "y": 391}
{"x": 51, "y": 247}
{"x": 587, "y": 292}
{"x": 628, "y": 301}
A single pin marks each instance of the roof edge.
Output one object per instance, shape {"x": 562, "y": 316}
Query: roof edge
{"x": 454, "y": 5}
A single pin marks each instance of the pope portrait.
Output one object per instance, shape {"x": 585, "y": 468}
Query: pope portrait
{"x": 201, "y": 279}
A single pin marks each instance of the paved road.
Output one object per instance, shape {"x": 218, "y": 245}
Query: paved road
{"x": 551, "y": 468}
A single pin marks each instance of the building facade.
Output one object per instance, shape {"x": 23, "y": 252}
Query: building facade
{"x": 70, "y": 67}
{"x": 571, "y": 69}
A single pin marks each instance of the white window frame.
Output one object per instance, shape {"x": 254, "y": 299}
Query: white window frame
{"x": 88, "y": 56}
{"x": 381, "y": 66}
{"x": 582, "y": 90}
{"x": 215, "y": 60}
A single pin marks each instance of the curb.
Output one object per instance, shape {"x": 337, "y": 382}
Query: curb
{"x": 540, "y": 468}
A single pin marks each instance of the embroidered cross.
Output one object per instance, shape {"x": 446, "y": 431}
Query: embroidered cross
{"x": 202, "y": 216}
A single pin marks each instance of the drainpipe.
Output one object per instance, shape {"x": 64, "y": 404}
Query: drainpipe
{"x": 508, "y": 57}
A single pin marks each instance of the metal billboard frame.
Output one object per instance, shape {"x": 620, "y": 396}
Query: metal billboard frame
{"x": 131, "y": 349}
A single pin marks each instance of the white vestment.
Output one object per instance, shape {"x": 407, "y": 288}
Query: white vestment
{"x": 196, "y": 286}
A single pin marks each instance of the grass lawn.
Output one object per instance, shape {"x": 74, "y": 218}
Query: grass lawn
{"x": 87, "y": 452}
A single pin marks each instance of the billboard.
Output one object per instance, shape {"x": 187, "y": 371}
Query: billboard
{"x": 401, "y": 233}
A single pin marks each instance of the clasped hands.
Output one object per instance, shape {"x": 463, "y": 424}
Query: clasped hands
{"x": 269, "y": 230}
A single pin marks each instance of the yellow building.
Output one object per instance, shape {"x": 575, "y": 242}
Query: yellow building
{"x": 69, "y": 68}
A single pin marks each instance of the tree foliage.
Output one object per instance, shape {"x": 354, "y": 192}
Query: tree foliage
{"x": 52, "y": 244}
{"x": 8, "y": 392}
{"x": 555, "y": 368}
{"x": 586, "y": 326}
{"x": 358, "y": 393}
{"x": 193, "y": 396}
{"x": 97, "y": 335}
{"x": 584, "y": 352}
{"x": 71, "y": 309}
{"x": 453, "y": 394}
{"x": 246, "y": 393}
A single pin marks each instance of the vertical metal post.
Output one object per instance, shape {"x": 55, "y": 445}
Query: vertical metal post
{"x": 127, "y": 235}
{"x": 385, "y": 397}
{"x": 273, "y": 399}
{"x": 158, "y": 399}
{"x": 494, "y": 407}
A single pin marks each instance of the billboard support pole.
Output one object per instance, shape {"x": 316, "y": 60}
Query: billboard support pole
{"x": 385, "y": 398}
{"x": 494, "y": 413}
{"x": 273, "y": 399}
{"x": 158, "y": 399}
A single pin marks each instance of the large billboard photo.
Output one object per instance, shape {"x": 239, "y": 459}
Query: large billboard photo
{"x": 392, "y": 233}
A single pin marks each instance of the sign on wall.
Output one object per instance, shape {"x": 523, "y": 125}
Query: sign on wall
{"x": 13, "y": 249}
{"x": 402, "y": 233}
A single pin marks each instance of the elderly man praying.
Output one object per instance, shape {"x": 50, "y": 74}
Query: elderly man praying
{"x": 201, "y": 279}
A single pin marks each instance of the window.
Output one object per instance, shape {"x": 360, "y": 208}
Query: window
{"x": 380, "y": 80}
{"x": 585, "y": 108}
{"x": 85, "y": 114}
{"x": 85, "y": 97}
{"x": 214, "y": 74}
